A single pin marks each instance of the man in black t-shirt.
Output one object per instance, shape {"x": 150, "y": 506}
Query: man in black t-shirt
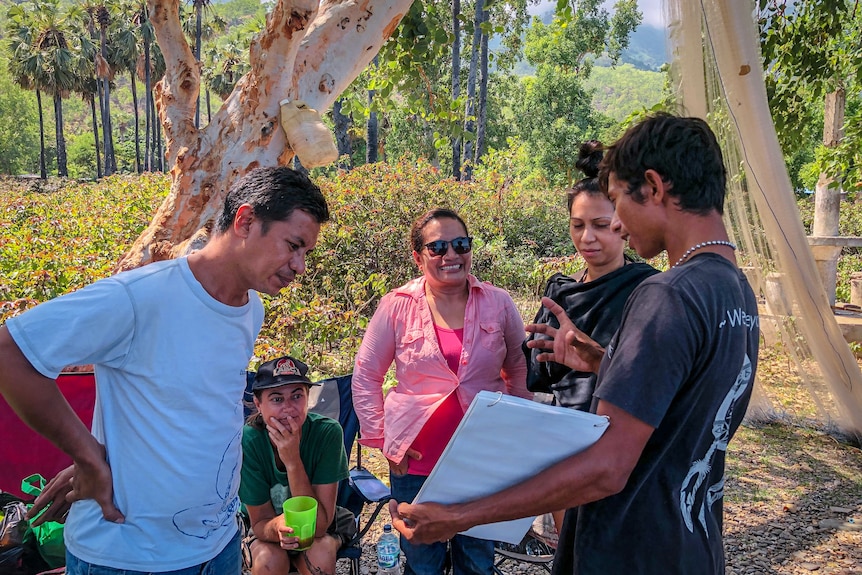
{"x": 675, "y": 380}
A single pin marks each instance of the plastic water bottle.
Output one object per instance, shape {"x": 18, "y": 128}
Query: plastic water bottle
{"x": 388, "y": 553}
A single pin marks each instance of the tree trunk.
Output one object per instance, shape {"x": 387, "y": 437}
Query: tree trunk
{"x": 107, "y": 144}
{"x": 342, "y": 136}
{"x": 154, "y": 135}
{"x": 309, "y": 50}
{"x": 62, "y": 171}
{"x": 470, "y": 111}
{"x": 134, "y": 87}
{"x": 456, "y": 82}
{"x": 482, "y": 120}
{"x": 92, "y": 101}
{"x": 100, "y": 94}
{"x": 160, "y": 150}
{"x": 149, "y": 141}
{"x": 827, "y": 197}
{"x": 107, "y": 130}
{"x": 199, "y": 8}
{"x": 371, "y": 127}
{"x": 43, "y": 169}
{"x": 149, "y": 115}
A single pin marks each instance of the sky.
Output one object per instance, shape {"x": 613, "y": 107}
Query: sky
{"x": 651, "y": 9}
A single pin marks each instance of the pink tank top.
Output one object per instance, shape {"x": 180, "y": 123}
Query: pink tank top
{"x": 438, "y": 430}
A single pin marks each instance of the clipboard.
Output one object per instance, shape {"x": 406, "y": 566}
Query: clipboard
{"x": 501, "y": 441}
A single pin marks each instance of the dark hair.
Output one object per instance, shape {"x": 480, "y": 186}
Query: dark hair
{"x": 255, "y": 417}
{"x": 273, "y": 194}
{"x": 422, "y": 221}
{"x": 589, "y": 156}
{"x": 684, "y": 152}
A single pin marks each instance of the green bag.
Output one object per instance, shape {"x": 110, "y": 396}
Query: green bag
{"x": 49, "y": 535}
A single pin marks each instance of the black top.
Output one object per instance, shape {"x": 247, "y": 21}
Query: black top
{"x": 683, "y": 361}
{"x": 596, "y": 307}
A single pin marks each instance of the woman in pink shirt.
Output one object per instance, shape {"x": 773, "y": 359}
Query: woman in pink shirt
{"x": 450, "y": 337}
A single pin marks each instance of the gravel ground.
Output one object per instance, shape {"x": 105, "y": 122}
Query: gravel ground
{"x": 816, "y": 537}
{"x": 793, "y": 506}
{"x": 794, "y": 503}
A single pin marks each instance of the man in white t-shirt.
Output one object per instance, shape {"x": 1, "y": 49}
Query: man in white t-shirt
{"x": 155, "y": 485}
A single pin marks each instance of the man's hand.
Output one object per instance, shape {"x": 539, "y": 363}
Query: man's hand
{"x": 423, "y": 522}
{"x": 78, "y": 481}
{"x": 567, "y": 344}
{"x": 400, "y": 468}
{"x": 53, "y": 499}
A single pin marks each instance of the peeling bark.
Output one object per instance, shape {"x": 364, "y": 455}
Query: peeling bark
{"x": 308, "y": 51}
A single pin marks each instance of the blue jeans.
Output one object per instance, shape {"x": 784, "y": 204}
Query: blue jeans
{"x": 470, "y": 556}
{"x": 228, "y": 562}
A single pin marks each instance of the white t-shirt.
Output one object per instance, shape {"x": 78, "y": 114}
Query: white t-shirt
{"x": 170, "y": 374}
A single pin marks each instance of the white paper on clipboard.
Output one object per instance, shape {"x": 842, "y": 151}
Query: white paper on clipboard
{"x": 501, "y": 441}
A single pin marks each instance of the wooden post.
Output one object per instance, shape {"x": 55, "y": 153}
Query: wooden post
{"x": 827, "y": 200}
{"x": 856, "y": 288}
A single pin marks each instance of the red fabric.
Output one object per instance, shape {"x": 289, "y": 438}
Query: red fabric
{"x": 440, "y": 427}
{"x": 24, "y": 452}
{"x": 451, "y": 343}
{"x": 435, "y": 435}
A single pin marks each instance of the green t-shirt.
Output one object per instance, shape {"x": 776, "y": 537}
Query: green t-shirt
{"x": 321, "y": 451}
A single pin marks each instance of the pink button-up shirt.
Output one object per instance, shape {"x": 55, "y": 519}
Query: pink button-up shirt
{"x": 402, "y": 330}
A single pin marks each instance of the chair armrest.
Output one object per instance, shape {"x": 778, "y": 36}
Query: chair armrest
{"x": 368, "y": 486}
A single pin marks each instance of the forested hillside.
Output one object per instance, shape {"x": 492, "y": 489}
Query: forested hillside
{"x": 623, "y": 90}
{"x": 548, "y": 86}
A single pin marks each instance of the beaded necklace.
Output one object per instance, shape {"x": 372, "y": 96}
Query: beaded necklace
{"x": 696, "y": 247}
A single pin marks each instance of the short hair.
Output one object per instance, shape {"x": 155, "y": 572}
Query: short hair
{"x": 273, "y": 194}
{"x": 422, "y": 221}
{"x": 684, "y": 152}
{"x": 590, "y": 155}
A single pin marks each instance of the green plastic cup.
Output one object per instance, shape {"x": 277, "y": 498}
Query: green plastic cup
{"x": 300, "y": 514}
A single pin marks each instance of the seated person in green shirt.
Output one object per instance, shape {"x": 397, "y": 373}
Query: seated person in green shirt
{"x": 288, "y": 451}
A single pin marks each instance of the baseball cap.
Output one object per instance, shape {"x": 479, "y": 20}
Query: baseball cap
{"x": 281, "y": 371}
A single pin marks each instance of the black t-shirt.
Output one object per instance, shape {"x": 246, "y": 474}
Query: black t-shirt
{"x": 682, "y": 361}
{"x": 596, "y": 307}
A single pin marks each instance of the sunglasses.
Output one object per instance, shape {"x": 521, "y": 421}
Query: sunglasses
{"x": 440, "y": 247}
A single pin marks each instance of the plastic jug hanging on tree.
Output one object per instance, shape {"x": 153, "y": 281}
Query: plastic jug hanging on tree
{"x": 307, "y": 134}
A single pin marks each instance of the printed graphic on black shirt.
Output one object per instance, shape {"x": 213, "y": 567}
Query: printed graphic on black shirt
{"x": 721, "y": 429}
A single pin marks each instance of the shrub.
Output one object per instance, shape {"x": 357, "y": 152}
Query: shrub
{"x": 58, "y": 237}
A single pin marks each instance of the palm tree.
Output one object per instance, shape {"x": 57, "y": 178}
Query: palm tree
{"x": 88, "y": 88}
{"x": 124, "y": 55}
{"x": 150, "y": 67}
{"x": 199, "y": 30}
{"x": 227, "y": 61}
{"x": 97, "y": 18}
{"x": 22, "y": 67}
{"x": 105, "y": 73}
{"x": 48, "y": 60}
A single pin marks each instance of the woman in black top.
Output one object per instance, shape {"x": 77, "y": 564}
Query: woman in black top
{"x": 594, "y": 297}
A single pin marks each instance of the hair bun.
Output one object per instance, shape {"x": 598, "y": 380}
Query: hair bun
{"x": 589, "y": 157}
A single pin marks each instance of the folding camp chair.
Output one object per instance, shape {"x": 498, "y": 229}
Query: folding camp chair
{"x": 335, "y": 400}
{"x": 531, "y": 550}
{"x": 536, "y": 548}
